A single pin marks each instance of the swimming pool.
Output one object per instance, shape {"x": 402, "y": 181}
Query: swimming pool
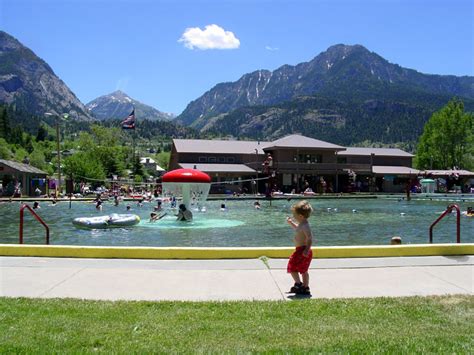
{"x": 334, "y": 222}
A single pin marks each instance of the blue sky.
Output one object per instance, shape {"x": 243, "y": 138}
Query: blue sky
{"x": 100, "y": 46}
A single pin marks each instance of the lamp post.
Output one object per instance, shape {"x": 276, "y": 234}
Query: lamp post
{"x": 58, "y": 150}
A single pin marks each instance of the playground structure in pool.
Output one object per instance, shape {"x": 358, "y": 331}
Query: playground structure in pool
{"x": 188, "y": 183}
{"x": 193, "y": 186}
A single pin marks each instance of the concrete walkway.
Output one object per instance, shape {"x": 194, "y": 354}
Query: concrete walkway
{"x": 250, "y": 279}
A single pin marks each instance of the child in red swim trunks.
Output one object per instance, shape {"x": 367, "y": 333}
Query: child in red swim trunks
{"x": 301, "y": 258}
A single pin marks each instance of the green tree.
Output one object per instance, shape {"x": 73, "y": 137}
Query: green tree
{"x": 20, "y": 154}
{"x": 5, "y": 152}
{"x": 16, "y": 136}
{"x": 83, "y": 165}
{"x": 85, "y": 141}
{"x": 4, "y": 123}
{"x": 42, "y": 134}
{"x": 163, "y": 159}
{"x": 111, "y": 158}
{"x": 38, "y": 160}
{"x": 28, "y": 143}
{"x": 447, "y": 139}
{"x": 104, "y": 136}
{"x": 137, "y": 168}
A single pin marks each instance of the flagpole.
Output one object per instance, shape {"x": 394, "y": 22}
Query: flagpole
{"x": 129, "y": 123}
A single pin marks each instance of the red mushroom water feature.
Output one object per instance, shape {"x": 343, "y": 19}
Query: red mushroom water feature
{"x": 187, "y": 182}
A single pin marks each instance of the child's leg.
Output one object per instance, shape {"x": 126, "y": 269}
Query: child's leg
{"x": 305, "y": 277}
{"x": 296, "y": 277}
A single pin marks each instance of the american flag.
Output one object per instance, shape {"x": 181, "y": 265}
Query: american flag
{"x": 129, "y": 122}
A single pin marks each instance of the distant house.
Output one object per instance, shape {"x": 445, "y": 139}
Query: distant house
{"x": 26, "y": 178}
{"x": 294, "y": 163}
{"x": 458, "y": 180}
{"x": 389, "y": 168}
{"x": 68, "y": 152}
{"x": 150, "y": 164}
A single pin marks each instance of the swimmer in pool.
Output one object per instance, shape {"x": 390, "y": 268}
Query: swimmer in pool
{"x": 155, "y": 217}
{"x": 184, "y": 214}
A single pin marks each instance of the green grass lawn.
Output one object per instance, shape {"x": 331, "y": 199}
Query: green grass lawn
{"x": 391, "y": 325}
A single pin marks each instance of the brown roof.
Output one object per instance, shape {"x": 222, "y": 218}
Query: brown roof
{"x": 299, "y": 141}
{"x": 394, "y": 170}
{"x": 218, "y": 146}
{"x": 24, "y": 168}
{"x": 386, "y": 152}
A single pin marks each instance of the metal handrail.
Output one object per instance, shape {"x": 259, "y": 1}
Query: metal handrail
{"x": 449, "y": 209}
{"x": 38, "y": 218}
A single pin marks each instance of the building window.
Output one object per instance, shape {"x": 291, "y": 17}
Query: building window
{"x": 310, "y": 158}
{"x": 230, "y": 160}
{"x": 203, "y": 159}
{"x": 341, "y": 160}
{"x": 211, "y": 159}
{"x": 221, "y": 159}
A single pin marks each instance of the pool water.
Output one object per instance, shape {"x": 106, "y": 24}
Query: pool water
{"x": 334, "y": 222}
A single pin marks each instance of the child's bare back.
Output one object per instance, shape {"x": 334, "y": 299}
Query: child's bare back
{"x": 301, "y": 234}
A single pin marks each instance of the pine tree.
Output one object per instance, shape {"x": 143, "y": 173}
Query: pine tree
{"x": 137, "y": 167}
{"x": 42, "y": 134}
{"x": 5, "y": 129}
{"x": 16, "y": 136}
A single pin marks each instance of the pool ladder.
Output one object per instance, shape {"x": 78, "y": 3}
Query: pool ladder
{"x": 449, "y": 209}
{"x": 38, "y": 218}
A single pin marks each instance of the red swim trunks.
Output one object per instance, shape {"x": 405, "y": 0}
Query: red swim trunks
{"x": 298, "y": 262}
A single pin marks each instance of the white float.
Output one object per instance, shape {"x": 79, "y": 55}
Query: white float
{"x": 113, "y": 221}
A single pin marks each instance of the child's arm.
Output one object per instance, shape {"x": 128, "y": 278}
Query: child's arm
{"x": 291, "y": 223}
{"x": 308, "y": 241}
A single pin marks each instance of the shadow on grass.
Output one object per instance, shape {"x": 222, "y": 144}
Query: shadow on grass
{"x": 299, "y": 297}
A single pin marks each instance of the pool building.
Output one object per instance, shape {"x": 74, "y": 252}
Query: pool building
{"x": 18, "y": 179}
{"x": 295, "y": 163}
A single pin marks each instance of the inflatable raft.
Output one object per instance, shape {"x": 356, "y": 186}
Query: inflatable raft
{"x": 112, "y": 221}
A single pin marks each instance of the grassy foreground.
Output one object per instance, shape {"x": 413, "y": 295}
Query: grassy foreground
{"x": 393, "y": 325}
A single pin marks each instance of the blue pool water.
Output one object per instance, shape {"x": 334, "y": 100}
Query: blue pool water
{"x": 333, "y": 222}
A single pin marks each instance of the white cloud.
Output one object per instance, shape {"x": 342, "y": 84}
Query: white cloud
{"x": 212, "y": 37}
{"x": 268, "y": 48}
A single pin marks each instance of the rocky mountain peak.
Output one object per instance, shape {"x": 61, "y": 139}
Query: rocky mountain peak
{"x": 120, "y": 96}
{"x": 29, "y": 83}
{"x": 348, "y": 70}
{"x": 8, "y": 43}
{"x": 117, "y": 105}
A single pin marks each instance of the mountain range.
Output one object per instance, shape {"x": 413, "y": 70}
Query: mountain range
{"x": 31, "y": 85}
{"x": 346, "y": 94}
{"x": 119, "y": 105}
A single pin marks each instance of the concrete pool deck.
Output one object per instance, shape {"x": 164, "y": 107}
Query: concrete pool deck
{"x": 236, "y": 279}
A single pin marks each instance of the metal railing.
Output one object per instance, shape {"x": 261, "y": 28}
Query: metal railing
{"x": 38, "y": 218}
{"x": 449, "y": 209}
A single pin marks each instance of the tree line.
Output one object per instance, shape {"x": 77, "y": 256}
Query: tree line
{"x": 99, "y": 150}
